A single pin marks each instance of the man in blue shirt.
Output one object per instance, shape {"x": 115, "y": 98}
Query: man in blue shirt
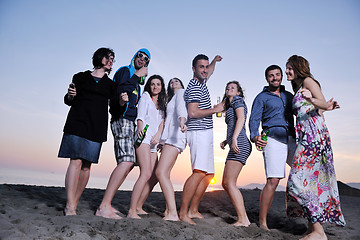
{"x": 273, "y": 108}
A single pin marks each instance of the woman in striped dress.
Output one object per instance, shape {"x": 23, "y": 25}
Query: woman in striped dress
{"x": 240, "y": 147}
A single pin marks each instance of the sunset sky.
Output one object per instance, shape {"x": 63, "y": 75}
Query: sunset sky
{"x": 43, "y": 43}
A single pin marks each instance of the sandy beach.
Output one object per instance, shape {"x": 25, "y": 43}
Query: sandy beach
{"x": 36, "y": 212}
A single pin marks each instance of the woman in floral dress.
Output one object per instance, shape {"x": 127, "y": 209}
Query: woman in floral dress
{"x": 312, "y": 189}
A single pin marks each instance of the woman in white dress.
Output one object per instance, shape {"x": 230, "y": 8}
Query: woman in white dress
{"x": 151, "y": 111}
{"x": 173, "y": 140}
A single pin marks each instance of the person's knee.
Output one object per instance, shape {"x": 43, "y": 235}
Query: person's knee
{"x": 125, "y": 166}
{"x": 146, "y": 175}
{"x": 225, "y": 183}
{"x": 159, "y": 173}
{"x": 273, "y": 182}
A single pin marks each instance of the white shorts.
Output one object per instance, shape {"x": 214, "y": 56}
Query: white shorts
{"x": 201, "y": 150}
{"x": 276, "y": 155}
{"x": 180, "y": 144}
{"x": 147, "y": 139}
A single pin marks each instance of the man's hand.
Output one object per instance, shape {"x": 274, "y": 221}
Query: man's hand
{"x": 124, "y": 98}
{"x": 217, "y": 58}
{"x": 259, "y": 143}
{"x": 142, "y": 72}
{"x": 219, "y": 107}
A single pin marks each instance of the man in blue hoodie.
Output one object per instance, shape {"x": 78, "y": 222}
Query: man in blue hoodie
{"x": 123, "y": 111}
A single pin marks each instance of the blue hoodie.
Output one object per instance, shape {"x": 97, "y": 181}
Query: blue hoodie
{"x": 127, "y": 81}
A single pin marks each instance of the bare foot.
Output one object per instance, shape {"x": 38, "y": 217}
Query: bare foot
{"x": 171, "y": 217}
{"x": 187, "y": 219}
{"x": 241, "y": 224}
{"x": 69, "y": 212}
{"x": 315, "y": 236}
{"x": 141, "y": 211}
{"x": 133, "y": 214}
{"x": 264, "y": 227}
{"x": 166, "y": 212}
{"x": 107, "y": 213}
{"x": 195, "y": 215}
{"x": 114, "y": 210}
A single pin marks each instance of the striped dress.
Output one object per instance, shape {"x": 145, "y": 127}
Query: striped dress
{"x": 242, "y": 140}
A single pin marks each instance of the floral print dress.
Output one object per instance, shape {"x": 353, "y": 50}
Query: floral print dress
{"x": 312, "y": 190}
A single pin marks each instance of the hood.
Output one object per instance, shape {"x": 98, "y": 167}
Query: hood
{"x": 131, "y": 67}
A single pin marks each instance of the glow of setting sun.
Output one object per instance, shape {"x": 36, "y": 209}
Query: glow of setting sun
{"x": 213, "y": 181}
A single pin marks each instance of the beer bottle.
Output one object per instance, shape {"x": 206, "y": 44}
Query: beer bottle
{"x": 264, "y": 138}
{"x": 219, "y": 114}
{"x": 140, "y": 139}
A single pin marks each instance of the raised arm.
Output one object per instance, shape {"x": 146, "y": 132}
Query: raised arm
{"x": 211, "y": 68}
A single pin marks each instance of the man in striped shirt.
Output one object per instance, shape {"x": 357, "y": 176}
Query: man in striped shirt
{"x": 199, "y": 136}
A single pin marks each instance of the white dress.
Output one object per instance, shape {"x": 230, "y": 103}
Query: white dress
{"x": 175, "y": 109}
{"x": 148, "y": 114}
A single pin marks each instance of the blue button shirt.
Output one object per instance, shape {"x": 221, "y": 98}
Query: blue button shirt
{"x": 275, "y": 114}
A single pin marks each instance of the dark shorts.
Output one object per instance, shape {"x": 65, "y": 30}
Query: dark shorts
{"x": 79, "y": 148}
{"x": 123, "y": 131}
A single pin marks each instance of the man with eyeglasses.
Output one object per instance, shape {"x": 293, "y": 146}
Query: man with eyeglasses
{"x": 123, "y": 111}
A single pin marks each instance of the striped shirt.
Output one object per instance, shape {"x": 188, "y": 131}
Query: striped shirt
{"x": 197, "y": 92}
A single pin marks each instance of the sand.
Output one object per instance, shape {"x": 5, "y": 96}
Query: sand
{"x": 36, "y": 212}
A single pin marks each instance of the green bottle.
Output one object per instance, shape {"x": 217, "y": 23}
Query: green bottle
{"x": 140, "y": 139}
{"x": 264, "y": 138}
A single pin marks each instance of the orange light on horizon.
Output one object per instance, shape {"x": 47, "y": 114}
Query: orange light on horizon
{"x": 212, "y": 181}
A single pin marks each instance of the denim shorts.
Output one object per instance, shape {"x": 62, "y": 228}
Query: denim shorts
{"x": 76, "y": 147}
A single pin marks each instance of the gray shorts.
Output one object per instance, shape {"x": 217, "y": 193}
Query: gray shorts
{"x": 123, "y": 131}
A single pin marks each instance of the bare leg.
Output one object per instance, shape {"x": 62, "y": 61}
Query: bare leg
{"x": 195, "y": 201}
{"x": 148, "y": 186}
{"x": 83, "y": 179}
{"x": 71, "y": 184}
{"x": 116, "y": 179}
{"x": 231, "y": 173}
{"x": 189, "y": 190}
{"x": 317, "y": 233}
{"x": 266, "y": 198}
{"x": 167, "y": 160}
{"x": 144, "y": 159}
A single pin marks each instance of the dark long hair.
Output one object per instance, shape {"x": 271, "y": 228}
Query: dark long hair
{"x": 301, "y": 69}
{"x": 162, "y": 95}
{"x": 226, "y": 99}
{"x": 170, "y": 91}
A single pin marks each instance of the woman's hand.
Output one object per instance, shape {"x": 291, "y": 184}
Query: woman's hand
{"x": 71, "y": 91}
{"x": 140, "y": 133}
{"x": 306, "y": 94}
{"x": 183, "y": 127}
{"x": 223, "y": 144}
{"x": 235, "y": 147}
{"x": 332, "y": 105}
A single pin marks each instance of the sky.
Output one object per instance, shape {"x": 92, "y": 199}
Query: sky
{"x": 44, "y": 43}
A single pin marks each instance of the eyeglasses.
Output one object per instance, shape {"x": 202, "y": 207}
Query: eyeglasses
{"x": 110, "y": 58}
{"x": 140, "y": 55}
